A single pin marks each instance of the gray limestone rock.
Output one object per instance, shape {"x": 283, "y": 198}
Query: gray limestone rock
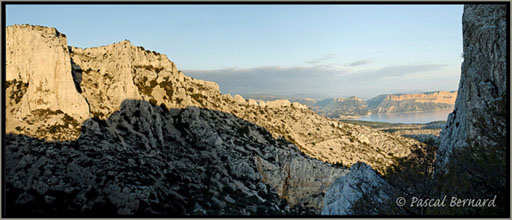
{"x": 361, "y": 184}
{"x": 479, "y": 117}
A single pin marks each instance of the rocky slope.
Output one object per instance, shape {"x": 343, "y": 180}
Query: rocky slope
{"x": 155, "y": 79}
{"x": 341, "y": 107}
{"x": 128, "y": 133}
{"x": 471, "y": 161}
{"x": 204, "y": 162}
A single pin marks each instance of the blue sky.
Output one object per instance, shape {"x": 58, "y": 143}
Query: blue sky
{"x": 323, "y": 50}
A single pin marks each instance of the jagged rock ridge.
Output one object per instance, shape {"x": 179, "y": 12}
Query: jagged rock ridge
{"x": 142, "y": 108}
{"x": 131, "y": 72}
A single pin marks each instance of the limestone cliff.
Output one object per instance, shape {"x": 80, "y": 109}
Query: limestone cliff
{"x": 37, "y": 77}
{"x": 414, "y": 102}
{"x": 474, "y": 146}
{"x": 436, "y": 97}
{"x": 479, "y": 117}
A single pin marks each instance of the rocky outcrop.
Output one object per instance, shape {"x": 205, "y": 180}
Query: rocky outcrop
{"x": 479, "y": 117}
{"x": 361, "y": 187}
{"x": 37, "y": 77}
{"x": 474, "y": 148}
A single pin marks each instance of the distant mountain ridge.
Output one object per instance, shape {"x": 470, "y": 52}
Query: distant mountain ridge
{"x": 353, "y": 107}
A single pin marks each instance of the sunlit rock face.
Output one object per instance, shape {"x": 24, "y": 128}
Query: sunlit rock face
{"x": 480, "y": 109}
{"x": 38, "y": 80}
{"x": 435, "y": 97}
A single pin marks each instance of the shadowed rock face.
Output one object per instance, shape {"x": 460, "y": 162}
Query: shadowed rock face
{"x": 347, "y": 191}
{"x": 480, "y": 109}
{"x": 146, "y": 160}
{"x": 474, "y": 146}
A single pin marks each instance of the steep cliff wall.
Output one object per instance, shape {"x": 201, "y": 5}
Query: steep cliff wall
{"x": 472, "y": 157}
{"x": 37, "y": 75}
{"x": 480, "y": 113}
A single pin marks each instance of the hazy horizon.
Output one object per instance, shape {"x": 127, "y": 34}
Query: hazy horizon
{"x": 318, "y": 96}
{"x": 321, "y": 50}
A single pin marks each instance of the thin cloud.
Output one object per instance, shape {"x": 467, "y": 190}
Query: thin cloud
{"x": 360, "y": 62}
{"x": 397, "y": 71}
{"x": 323, "y": 59}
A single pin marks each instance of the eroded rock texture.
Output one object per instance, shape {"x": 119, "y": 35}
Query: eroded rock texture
{"x": 145, "y": 160}
{"x": 361, "y": 187}
{"x": 472, "y": 156}
{"x": 479, "y": 117}
{"x": 38, "y": 56}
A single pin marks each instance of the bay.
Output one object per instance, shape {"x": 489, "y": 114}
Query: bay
{"x": 408, "y": 118}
